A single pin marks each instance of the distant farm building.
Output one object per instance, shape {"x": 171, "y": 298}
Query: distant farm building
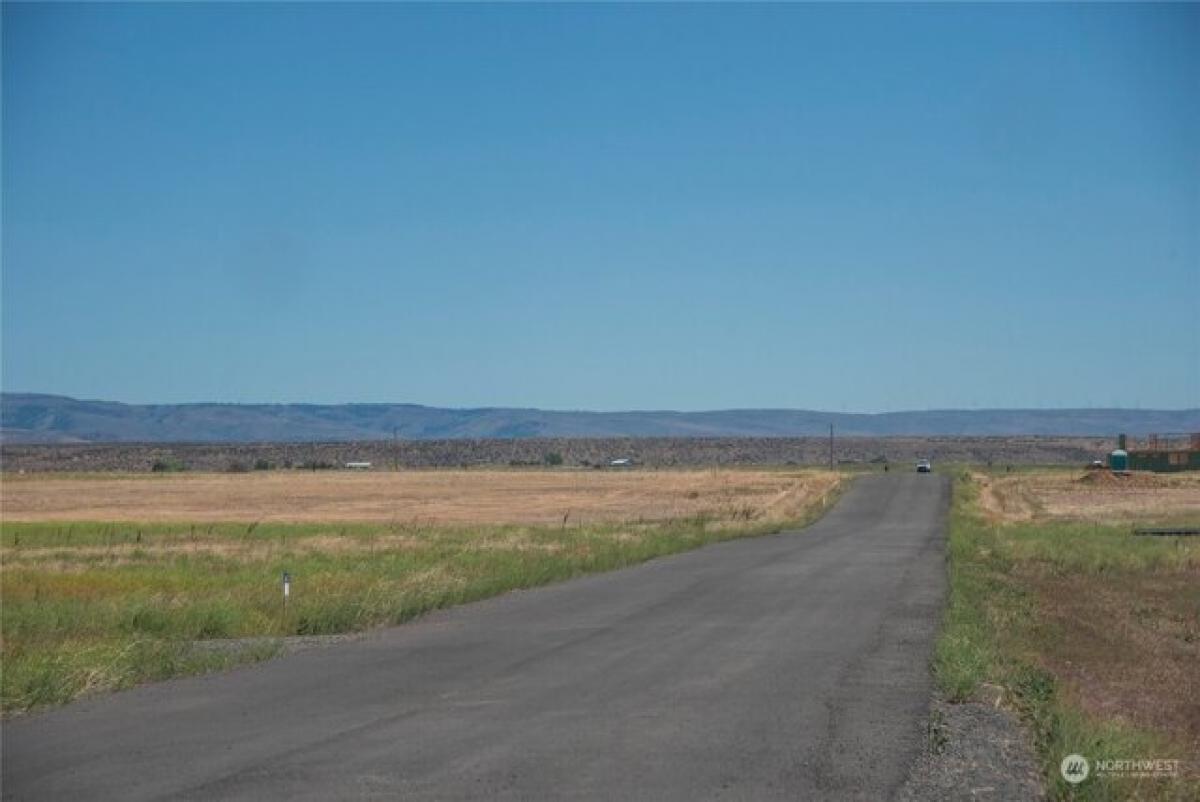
{"x": 1162, "y": 453}
{"x": 358, "y": 466}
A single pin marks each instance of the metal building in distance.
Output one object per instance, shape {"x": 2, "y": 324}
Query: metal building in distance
{"x": 1161, "y": 453}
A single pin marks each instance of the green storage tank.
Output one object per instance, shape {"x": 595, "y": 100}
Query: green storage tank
{"x": 1119, "y": 460}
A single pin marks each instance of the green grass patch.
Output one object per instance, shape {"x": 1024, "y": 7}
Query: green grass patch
{"x": 1004, "y": 625}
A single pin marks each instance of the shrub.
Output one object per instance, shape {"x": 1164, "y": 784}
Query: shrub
{"x": 553, "y": 458}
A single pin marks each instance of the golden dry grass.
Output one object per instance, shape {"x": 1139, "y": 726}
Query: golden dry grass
{"x": 56, "y": 558}
{"x": 1076, "y": 496}
{"x": 425, "y": 497}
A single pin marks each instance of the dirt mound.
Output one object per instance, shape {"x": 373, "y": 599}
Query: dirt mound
{"x": 1136, "y": 479}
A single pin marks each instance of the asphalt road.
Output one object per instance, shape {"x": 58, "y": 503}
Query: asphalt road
{"x": 793, "y": 666}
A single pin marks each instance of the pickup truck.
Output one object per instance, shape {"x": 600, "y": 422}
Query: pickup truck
{"x": 924, "y": 466}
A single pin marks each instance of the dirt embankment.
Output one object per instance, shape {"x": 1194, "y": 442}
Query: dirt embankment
{"x": 1002, "y": 500}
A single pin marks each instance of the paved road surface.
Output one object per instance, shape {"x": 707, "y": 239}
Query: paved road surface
{"x": 793, "y": 666}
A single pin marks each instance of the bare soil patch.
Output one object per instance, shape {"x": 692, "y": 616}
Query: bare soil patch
{"x": 1129, "y": 649}
{"x": 425, "y": 497}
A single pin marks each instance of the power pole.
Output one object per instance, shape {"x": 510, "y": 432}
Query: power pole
{"x": 831, "y": 446}
{"x": 395, "y": 451}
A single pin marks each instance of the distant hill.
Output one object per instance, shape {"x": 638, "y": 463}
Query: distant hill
{"x": 35, "y": 418}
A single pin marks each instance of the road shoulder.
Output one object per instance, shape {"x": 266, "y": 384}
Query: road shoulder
{"x": 973, "y": 751}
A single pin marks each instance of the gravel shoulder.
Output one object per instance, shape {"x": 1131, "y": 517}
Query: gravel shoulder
{"x": 973, "y": 751}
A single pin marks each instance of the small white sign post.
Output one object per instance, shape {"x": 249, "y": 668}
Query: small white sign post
{"x": 287, "y": 592}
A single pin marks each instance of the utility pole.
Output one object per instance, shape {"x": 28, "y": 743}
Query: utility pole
{"x": 395, "y": 451}
{"x": 831, "y": 446}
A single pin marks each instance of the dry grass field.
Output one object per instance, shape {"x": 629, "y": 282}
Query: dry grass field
{"x": 1096, "y": 496}
{"x": 426, "y": 497}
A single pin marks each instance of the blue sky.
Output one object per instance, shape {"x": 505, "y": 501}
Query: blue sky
{"x": 856, "y": 208}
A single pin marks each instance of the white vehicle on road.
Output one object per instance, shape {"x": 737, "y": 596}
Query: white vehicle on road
{"x": 924, "y": 466}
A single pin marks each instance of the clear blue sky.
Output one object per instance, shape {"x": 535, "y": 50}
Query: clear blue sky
{"x": 855, "y": 208}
